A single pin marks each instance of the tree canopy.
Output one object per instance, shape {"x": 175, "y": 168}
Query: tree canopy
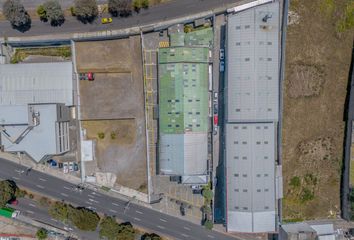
{"x": 17, "y": 15}
{"x": 150, "y": 236}
{"x": 54, "y": 12}
{"x": 121, "y": 8}
{"x": 7, "y": 192}
{"x": 84, "y": 219}
{"x": 42, "y": 234}
{"x": 86, "y": 10}
{"x": 111, "y": 230}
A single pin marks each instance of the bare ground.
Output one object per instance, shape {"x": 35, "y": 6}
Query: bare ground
{"x": 317, "y": 67}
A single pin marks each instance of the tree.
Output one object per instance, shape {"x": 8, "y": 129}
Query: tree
{"x": 84, "y": 219}
{"x": 86, "y": 10}
{"x": 16, "y": 13}
{"x": 42, "y": 234}
{"x": 150, "y": 236}
{"x": 7, "y": 192}
{"x": 54, "y": 12}
{"x": 207, "y": 194}
{"x": 138, "y": 4}
{"x": 121, "y": 8}
{"x": 109, "y": 228}
{"x": 126, "y": 232}
{"x": 206, "y": 209}
{"x": 41, "y": 13}
{"x": 60, "y": 211}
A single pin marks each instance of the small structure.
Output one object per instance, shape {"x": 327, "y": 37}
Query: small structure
{"x": 308, "y": 231}
{"x": 88, "y": 150}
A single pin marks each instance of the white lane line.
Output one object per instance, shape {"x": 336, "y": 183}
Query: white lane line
{"x": 161, "y": 227}
{"x": 42, "y": 179}
{"x": 40, "y": 186}
{"x": 92, "y": 208}
{"x": 187, "y": 228}
{"x": 87, "y": 202}
{"x": 209, "y": 236}
{"x": 67, "y": 188}
{"x": 64, "y": 194}
{"x": 54, "y": 220}
{"x": 91, "y": 200}
{"x": 91, "y": 196}
{"x": 32, "y": 205}
{"x": 111, "y": 210}
{"x": 16, "y": 178}
{"x": 138, "y": 212}
{"x": 184, "y": 235}
{"x": 31, "y": 212}
{"x": 115, "y": 204}
{"x": 163, "y": 220}
{"x": 137, "y": 219}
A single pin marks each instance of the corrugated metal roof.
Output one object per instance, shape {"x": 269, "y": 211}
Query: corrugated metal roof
{"x": 253, "y": 64}
{"x": 36, "y": 83}
{"x": 183, "y": 154}
{"x": 250, "y": 161}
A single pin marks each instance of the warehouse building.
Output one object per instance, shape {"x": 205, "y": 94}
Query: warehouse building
{"x": 253, "y": 178}
{"x": 34, "y": 113}
{"x": 183, "y": 109}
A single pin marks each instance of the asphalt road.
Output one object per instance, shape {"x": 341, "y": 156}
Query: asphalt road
{"x": 139, "y": 216}
{"x": 155, "y": 14}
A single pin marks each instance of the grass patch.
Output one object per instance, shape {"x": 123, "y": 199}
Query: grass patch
{"x": 327, "y": 7}
{"x": 295, "y": 182}
{"x": 293, "y": 220}
{"x": 307, "y": 195}
{"x": 22, "y": 53}
{"x": 346, "y": 22}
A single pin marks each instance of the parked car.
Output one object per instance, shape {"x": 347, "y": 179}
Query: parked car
{"x": 197, "y": 191}
{"x": 215, "y": 97}
{"x": 222, "y": 66}
{"x": 106, "y": 20}
{"x": 71, "y": 166}
{"x": 60, "y": 165}
{"x": 182, "y": 209}
{"x": 215, "y": 108}
{"x": 76, "y": 167}
{"x": 222, "y": 54}
{"x": 14, "y": 202}
{"x": 215, "y": 130}
{"x": 65, "y": 167}
{"x": 87, "y": 76}
{"x": 216, "y": 120}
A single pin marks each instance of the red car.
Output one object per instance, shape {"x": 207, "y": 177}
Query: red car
{"x": 14, "y": 202}
{"x": 216, "y": 120}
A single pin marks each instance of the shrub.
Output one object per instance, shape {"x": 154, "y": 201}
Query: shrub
{"x": 101, "y": 135}
{"x": 295, "y": 182}
{"x": 41, "y": 13}
{"x": 121, "y": 8}
{"x": 42, "y": 234}
{"x": 113, "y": 135}
{"x": 307, "y": 195}
{"x": 208, "y": 224}
{"x": 72, "y": 11}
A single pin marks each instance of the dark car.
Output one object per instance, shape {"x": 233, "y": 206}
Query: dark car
{"x": 182, "y": 209}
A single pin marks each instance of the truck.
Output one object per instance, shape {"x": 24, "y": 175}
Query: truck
{"x": 9, "y": 212}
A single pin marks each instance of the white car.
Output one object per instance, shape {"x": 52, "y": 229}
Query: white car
{"x": 222, "y": 54}
{"x": 71, "y": 166}
{"x": 65, "y": 167}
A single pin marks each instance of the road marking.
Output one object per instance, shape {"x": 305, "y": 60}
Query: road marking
{"x": 54, "y": 220}
{"x": 89, "y": 202}
{"x": 92, "y": 208}
{"x": 209, "y": 236}
{"x": 31, "y": 212}
{"x": 137, "y": 219}
{"x": 64, "y": 194}
{"x": 161, "y": 227}
{"x": 187, "y": 228}
{"x": 163, "y": 220}
{"x": 40, "y": 186}
{"x": 138, "y": 212}
{"x": 91, "y": 196}
{"x": 115, "y": 204}
{"x": 184, "y": 235}
{"x": 42, "y": 179}
{"x": 67, "y": 188}
{"x": 111, "y": 210}
{"x": 16, "y": 178}
{"x": 32, "y": 205}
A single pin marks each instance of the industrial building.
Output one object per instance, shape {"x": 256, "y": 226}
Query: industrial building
{"x": 253, "y": 177}
{"x": 183, "y": 107}
{"x": 34, "y": 113}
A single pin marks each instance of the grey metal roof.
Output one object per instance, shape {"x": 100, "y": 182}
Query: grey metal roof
{"x": 41, "y": 140}
{"x": 253, "y": 64}
{"x": 36, "y": 83}
{"x": 184, "y": 154}
{"x": 250, "y": 164}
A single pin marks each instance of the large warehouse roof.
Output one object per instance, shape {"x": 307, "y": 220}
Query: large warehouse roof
{"x": 36, "y": 83}
{"x": 253, "y": 64}
{"x": 250, "y": 164}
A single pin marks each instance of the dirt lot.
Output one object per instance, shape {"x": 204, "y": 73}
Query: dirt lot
{"x": 113, "y": 104}
{"x": 317, "y": 68}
